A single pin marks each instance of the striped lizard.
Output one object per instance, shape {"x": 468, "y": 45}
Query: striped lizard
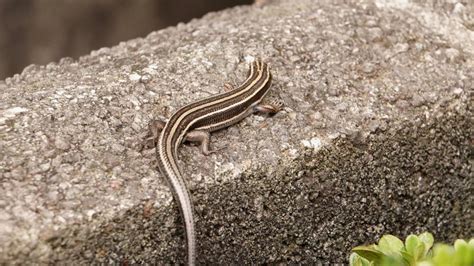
{"x": 195, "y": 121}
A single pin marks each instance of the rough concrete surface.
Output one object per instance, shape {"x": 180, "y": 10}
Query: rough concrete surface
{"x": 375, "y": 138}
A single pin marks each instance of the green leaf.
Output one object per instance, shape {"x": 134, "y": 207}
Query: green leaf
{"x": 471, "y": 242}
{"x": 428, "y": 240}
{"x": 415, "y": 248}
{"x": 411, "y": 242}
{"x": 390, "y": 245}
{"x": 464, "y": 253}
{"x": 369, "y": 253}
{"x": 459, "y": 243}
{"x": 393, "y": 261}
{"x": 443, "y": 254}
{"x": 356, "y": 260}
{"x": 407, "y": 258}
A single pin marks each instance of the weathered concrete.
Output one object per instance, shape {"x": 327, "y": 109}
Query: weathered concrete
{"x": 376, "y": 138}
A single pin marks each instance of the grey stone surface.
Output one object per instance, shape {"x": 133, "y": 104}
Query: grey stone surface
{"x": 375, "y": 138}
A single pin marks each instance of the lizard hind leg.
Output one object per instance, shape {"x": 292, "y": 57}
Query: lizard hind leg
{"x": 202, "y": 137}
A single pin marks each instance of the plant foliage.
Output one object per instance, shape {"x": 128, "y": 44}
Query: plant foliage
{"x": 416, "y": 251}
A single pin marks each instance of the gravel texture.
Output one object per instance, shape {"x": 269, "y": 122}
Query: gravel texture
{"x": 376, "y": 137}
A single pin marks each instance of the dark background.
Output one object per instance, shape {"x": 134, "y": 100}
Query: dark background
{"x": 41, "y": 31}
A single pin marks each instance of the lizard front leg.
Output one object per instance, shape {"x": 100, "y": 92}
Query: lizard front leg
{"x": 154, "y": 129}
{"x": 270, "y": 107}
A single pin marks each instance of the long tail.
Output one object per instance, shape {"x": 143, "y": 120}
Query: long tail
{"x": 169, "y": 168}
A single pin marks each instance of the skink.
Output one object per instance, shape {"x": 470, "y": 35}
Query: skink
{"x": 195, "y": 121}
